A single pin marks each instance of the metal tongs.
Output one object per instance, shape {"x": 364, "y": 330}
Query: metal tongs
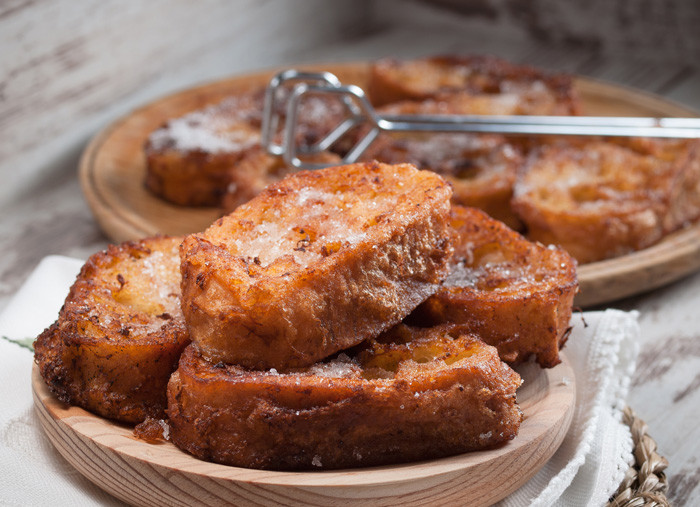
{"x": 361, "y": 111}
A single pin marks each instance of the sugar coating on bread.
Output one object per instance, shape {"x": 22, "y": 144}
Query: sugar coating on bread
{"x": 409, "y": 394}
{"x": 120, "y": 332}
{"x": 316, "y": 263}
{"x": 224, "y": 127}
{"x": 515, "y": 294}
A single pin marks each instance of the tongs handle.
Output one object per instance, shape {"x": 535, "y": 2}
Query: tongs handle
{"x": 546, "y": 125}
{"x": 361, "y": 111}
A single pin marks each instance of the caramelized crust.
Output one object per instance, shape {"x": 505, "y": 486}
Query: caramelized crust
{"x": 315, "y": 264}
{"x": 119, "y": 334}
{"x": 514, "y": 294}
{"x": 408, "y": 395}
{"x": 532, "y": 90}
{"x": 602, "y": 199}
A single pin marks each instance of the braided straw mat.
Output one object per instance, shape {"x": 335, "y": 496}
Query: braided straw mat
{"x": 645, "y": 483}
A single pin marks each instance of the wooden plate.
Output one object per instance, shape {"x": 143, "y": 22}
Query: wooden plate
{"x": 112, "y": 171}
{"x": 160, "y": 474}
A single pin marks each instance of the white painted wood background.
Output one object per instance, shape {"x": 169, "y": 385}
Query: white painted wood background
{"x": 69, "y": 68}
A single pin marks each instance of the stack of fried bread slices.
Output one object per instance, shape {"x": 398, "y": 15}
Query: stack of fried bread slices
{"x": 596, "y": 197}
{"x": 344, "y": 317}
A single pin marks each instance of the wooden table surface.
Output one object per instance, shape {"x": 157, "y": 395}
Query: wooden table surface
{"x": 50, "y": 216}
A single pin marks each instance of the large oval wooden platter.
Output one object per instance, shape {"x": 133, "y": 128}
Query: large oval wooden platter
{"x": 112, "y": 171}
{"x": 141, "y": 473}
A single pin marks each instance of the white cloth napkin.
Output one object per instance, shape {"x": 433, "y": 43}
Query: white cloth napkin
{"x": 585, "y": 471}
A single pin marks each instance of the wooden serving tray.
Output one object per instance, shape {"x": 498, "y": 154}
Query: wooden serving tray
{"x": 112, "y": 172}
{"x": 160, "y": 474}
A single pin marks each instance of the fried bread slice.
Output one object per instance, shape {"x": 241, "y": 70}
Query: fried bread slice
{"x": 120, "y": 332}
{"x": 197, "y": 159}
{"x": 481, "y": 168}
{"x": 189, "y": 159}
{"x": 533, "y": 90}
{"x": 602, "y": 199}
{"x": 514, "y": 294}
{"x": 411, "y": 394}
{"x": 315, "y": 264}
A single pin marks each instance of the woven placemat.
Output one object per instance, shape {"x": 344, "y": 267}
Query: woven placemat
{"x": 645, "y": 483}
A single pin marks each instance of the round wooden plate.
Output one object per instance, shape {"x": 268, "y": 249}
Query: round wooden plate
{"x": 160, "y": 474}
{"x": 112, "y": 171}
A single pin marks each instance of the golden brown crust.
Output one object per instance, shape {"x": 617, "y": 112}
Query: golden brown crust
{"x": 119, "y": 334}
{"x": 514, "y": 294}
{"x": 316, "y": 263}
{"x": 409, "y": 395}
{"x": 602, "y": 199}
{"x": 536, "y": 91}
